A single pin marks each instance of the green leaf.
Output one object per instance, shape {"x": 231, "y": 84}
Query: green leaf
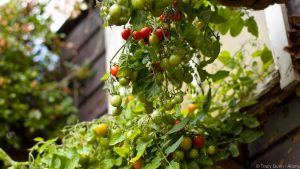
{"x": 173, "y": 165}
{"x": 121, "y": 151}
{"x": 154, "y": 164}
{"x": 116, "y": 138}
{"x": 138, "y": 19}
{"x": 221, "y": 155}
{"x": 234, "y": 150}
{"x": 56, "y": 162}
{"x": 224, "y": 57}
{"x": 210, "y": 122}
{"x": 250, "y": 122}
{"x": 247, "y": 103}
{"x": 202, "y": 73}
{"x": 118, "y": 161}
{"x": 207, "y": 102}
{"x": 216, "y": 18}
{"x": 266, "y": 55}
{"x": 153, "y": 90}
{"x": 105, "y": 77}
{"x": 174, "y": 146}
{"x": 252, "y": 27}
{"x": 139, "y": 108}
{"x": 219, "y": 75}
{"x": 204, "y": 14}
{"x": 134, "y": 133}
{"x": 38, "y": 139}
{"x": 237, "y": 27}
{"x": 69, "y": 158}
{"x": 107, "y": 163}
{"x": 140, "y": 148}
{"x": 249, "y": 136}
{"x": 179, "y": 126}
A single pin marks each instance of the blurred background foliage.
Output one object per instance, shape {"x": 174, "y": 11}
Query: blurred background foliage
{"x": 34, "y": 97}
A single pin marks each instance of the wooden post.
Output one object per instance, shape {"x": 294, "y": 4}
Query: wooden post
{"x": 277, "y": 23}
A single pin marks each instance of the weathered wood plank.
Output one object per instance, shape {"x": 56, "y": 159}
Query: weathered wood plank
{"x": 276, "y": 125}
{"x": 91, "y": 84}
{"x": 92, "y": 49}
{"x": 81, "y": 34}
{"x": 283, "y": 155}
{"x": 293, "y": 7}
{"x": 83, "y": 31}
{"x": 93, "y": 107}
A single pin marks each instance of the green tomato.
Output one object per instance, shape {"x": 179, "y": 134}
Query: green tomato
{"x": 179, "y": 74}
{"x": 115, "y": 11}
{"x": 124, "y": 81}
{"x": 211, "y": 150}
{"x": 117, "y": 111}
{"x": 134, "y": 75}
{"x": 186, "y": 144}
{"x": 169, "y": 106}
{"x": 193, "y": 165}
{"x": 122, "y": 2}
{"x": 116, "y": 101}
{"x": 153, "y": 40}
{"x": 186, "y": 1}
{"x": 159, "y": 78}
{"x": 165, "y": 63}
{"x": 175, "y": 60}
{"x": 138, "y": 4}
{"x": 178, "y": 155}
{"x": 178, "y": 98}
{"x": 188, "y": 78}
{"x": 193, "y": 153}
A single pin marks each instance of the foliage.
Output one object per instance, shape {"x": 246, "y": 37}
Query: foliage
{"x": 32, "y": 102}
{"x": 156, "y": 139}
{"x": 169, "y": 56}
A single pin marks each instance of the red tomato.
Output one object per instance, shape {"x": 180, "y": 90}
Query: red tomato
{"x": 138, "y": 164}
{"x": 126, "y": 33}
{"x": 145, "y": 32}
{"x": 167, "y": 32}
{"x": 198, "y": 141}
{"x": 174, "y": 4}
{"x": 192, "y": 107}
{"x": 176, "y": 16}
{"x": 157, "y": 65}
{"x": 114, "y": 70}
{"x": 136, "y": 35}
{"x": 159, "y": 34}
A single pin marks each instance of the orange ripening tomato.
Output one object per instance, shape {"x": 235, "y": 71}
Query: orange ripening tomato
{"x": 192, "y": 107}
{"x": 114, "y": 70}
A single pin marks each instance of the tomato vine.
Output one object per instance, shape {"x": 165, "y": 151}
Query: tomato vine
{"x": 164, "y": 61}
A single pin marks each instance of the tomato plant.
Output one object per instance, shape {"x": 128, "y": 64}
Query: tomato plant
{"x": 171, "y": 46}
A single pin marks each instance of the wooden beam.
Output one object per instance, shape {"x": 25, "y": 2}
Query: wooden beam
{"x": 277, "y": 23}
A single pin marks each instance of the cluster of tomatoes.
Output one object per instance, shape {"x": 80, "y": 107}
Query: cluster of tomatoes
{"x": 147, "y": 35}
{"x": 171, "y": 14}
{"x": 190, "y": 147}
